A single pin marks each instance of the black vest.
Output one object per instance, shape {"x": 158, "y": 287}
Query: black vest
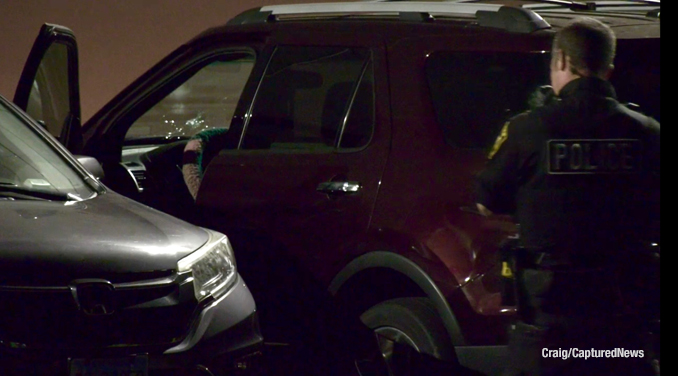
{"x": 589, "y": 179}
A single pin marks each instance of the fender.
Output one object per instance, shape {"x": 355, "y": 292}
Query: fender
{"x": 403, "y": 265}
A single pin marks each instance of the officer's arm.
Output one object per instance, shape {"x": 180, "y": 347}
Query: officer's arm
{"x": 496, "y": 185}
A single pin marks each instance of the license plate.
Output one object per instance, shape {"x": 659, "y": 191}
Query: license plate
{"x": 128, "y": 366}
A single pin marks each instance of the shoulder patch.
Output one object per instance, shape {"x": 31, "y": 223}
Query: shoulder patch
{"x": 503, "y": 136}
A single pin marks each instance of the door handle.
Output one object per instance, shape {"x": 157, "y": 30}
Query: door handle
{"x": 339, "y": 187}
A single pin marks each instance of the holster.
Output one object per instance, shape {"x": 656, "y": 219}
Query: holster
{"x": 509, "y": 255}
{"x": 516, "y": 260}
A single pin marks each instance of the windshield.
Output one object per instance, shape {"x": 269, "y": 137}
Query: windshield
{"x": 29, "y": 167}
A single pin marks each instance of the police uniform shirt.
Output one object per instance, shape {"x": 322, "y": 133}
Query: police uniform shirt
{"x": 582, "y": 171}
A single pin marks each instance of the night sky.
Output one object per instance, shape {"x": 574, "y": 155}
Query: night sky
{"x": 118, "y": 40}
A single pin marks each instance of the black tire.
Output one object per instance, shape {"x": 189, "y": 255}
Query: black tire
{"x": 414, "y": 321}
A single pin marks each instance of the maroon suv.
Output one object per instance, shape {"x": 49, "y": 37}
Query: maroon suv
{"x": 350, "y": 137}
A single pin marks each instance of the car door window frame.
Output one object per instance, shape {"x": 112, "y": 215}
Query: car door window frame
{"x": 168, "y": 84}
{"x": 105, "y": 132}
{"x": 190, "y": 71}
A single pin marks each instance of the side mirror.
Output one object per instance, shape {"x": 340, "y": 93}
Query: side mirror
{"x": 92, "y": 165}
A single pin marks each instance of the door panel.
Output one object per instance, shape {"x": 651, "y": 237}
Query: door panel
{"x": 313, "y": 149}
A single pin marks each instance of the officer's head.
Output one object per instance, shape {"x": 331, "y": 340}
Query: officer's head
{"x": 583, "y": 48}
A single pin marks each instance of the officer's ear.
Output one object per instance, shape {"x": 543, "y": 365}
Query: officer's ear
{"x": 608, "y": 73}
{"x": 559, "y": 61}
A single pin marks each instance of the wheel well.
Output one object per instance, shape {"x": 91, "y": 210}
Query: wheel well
{"x": 375, "y": 285}
{"x": 378, "y": 276}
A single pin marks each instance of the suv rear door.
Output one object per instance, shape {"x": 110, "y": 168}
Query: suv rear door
{"x": 446, "y": 115}
{"x": 315, "y": 141}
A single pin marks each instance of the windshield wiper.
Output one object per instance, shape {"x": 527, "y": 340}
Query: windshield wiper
{"x": 13, "y": 190}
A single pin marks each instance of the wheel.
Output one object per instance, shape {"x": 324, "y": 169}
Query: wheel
{"x": 406, "y": 325}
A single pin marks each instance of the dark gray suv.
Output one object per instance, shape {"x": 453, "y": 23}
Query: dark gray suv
{"x": 93, "y": 283}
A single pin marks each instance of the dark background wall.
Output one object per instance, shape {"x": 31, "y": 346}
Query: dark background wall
{"x": 118, "y": 40}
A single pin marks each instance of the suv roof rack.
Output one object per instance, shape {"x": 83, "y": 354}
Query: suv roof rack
{"x": 654, "y": 13}
{"x": 516, "y": 20}
{"x": 590, "y": 5}
{"x": 573, "y": 5}
{"x": 509, "y": 18}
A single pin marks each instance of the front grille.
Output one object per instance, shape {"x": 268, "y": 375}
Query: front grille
{"x": 49, "y": 318}
{"x": 62, "y": 276}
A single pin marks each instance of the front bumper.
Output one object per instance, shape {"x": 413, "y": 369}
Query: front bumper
{"x": 222, "y": 334}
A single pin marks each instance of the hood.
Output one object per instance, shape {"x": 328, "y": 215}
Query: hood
{"x": 50, "y": 243}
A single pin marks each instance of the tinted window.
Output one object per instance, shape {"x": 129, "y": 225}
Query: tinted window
{"x": 308, "y": 95}
{"x": 474, "y": 94}
{"x": 636, "y": 74}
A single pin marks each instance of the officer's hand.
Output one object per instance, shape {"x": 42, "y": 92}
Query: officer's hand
{"x": 542, "y": 96}
{"x": 483, "y": 210}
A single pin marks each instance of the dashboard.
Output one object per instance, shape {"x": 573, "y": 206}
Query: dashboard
{"x": 131, "y": 161}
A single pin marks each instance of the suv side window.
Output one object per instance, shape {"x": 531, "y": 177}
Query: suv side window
{"x": 313, "y": 99}
{"x": 205, "y": 100}
{"x": 474, "y": 94}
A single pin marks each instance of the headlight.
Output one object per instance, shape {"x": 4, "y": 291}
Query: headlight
{"x": 213, "y": 267}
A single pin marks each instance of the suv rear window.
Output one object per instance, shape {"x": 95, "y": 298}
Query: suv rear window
{"x": 474, "y": 93}
{"x": 636, "y": 74}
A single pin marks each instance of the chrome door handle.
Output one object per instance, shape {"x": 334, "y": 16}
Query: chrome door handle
{"x": 339, "y": 187}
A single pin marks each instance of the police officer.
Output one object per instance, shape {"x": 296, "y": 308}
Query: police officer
{"x": 581, "y": 176}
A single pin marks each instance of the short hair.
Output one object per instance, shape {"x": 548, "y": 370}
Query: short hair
{"x": 590, "y": 45}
